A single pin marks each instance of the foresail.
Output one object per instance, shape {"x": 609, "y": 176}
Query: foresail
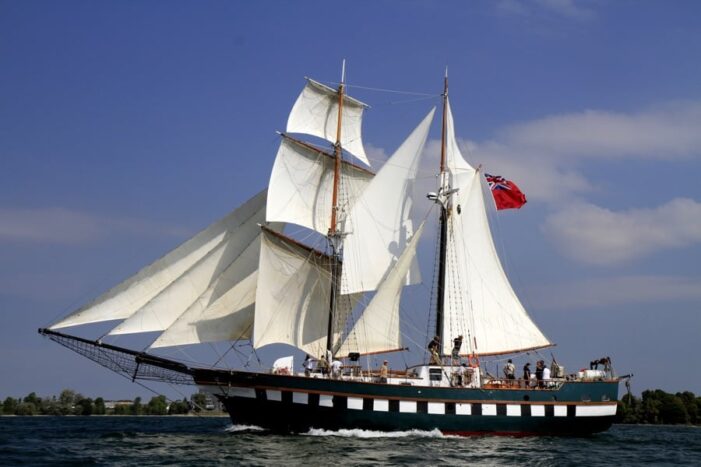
{"x": 316, "y": 113}
{"x": 377, "y": 329}
{"x": 301, "y": 182}
{"x": 379, "y": 224}
{"x": 292, "y": 297}
{"x": 128, "y": 297}
{"x": 480, "y": 303}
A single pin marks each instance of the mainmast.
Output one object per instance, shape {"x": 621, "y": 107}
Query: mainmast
{"x": 443, "y": 193}
{"x": 334, "y": 236}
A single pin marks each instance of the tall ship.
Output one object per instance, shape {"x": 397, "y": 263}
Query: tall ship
{"x": 318, "y": 261}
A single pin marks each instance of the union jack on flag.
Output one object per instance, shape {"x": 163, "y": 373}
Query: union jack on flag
{"x": 505, "y": 192}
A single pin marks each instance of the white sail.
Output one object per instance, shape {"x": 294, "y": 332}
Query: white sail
{"x": 316, "y": 113}
{"x": 379, "y": 225}
{"x": 480, "y": 303}
{"x": 292, "y": 297}
{"x": 377, "y": 329}
{"x": 204, "y": 282}
{"x": 230, "y": 317}
{"x": 301, "y": 184}
{"x": 128, "y": 297}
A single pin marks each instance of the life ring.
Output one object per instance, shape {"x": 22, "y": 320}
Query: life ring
{"x": 473, "y": 361}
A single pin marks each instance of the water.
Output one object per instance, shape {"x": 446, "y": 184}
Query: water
{"x": 211, "y": 441}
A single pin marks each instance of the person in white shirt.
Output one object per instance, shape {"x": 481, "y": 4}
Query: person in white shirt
{"x": 546, "y": 376}
{"x": 336, "y": 369}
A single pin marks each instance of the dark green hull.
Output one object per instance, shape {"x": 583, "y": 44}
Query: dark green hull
{"x": 296, "y": 404}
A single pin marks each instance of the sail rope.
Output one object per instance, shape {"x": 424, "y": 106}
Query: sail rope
{"x": 392, "y": 91}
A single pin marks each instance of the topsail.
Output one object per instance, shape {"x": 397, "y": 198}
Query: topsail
{"x": 316, "y": 113}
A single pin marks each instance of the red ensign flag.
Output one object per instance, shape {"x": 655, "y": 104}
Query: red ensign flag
{"x": 506, "y": 194}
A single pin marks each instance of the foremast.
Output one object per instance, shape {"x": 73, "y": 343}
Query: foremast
{"x": 335, "y": 238}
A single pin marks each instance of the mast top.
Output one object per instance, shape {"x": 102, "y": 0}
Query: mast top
{"x": 443, "y": 126}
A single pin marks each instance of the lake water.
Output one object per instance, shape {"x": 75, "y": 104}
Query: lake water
{"x": 211, "y": 441}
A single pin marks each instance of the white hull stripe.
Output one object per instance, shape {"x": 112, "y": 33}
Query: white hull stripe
{"x": 433, "y": 408}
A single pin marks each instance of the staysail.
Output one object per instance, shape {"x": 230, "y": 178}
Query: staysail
{"x": 480, "y": 303}
{"x": 379, "y": 225}
{"x": 377, "y": 329}
{"x": 316, "y": 113}
{"x": 236, "y": 230}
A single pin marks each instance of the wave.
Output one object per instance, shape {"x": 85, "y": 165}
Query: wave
{"x": 358, "y": 433}
{"x": 238, "y": 428}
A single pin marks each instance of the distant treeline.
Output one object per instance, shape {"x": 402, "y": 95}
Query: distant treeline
{"x": 654, "y": 407}
{"x": 660, "y": 408}
{"x": 70, "y": 402}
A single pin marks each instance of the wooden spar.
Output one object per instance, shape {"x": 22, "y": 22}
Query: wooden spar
{"x": 333, "y": 236}
{"x": 443, "y": 126}
{"x": 440, "y": 299}
{"x": 337, "y": 161}
{"x": 309, "y": 147}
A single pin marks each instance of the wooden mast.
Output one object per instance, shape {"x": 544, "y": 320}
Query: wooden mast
{"x": 443, "y": 189}
{"x": 334, "y": 236}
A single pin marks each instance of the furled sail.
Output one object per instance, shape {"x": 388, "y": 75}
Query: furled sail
{"x": 136, "y": 292}
{"x": 479, "y": 300}
{"x": 301, "y": 185}
{"x": 292, "y": 298}
{"x": 379, "y": 224}
{"x": 316, "y": 113}
{"x": 377, "y": 329}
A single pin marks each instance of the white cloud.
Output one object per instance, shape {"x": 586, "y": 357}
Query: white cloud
{"x": 540, "y": 177}
{"x": 566, "y": 8}
{"x": 595, "y": 235}
{"x": 376, "y": 155}
{"x": 64, "y": 226}
{"x": 671, "y": 132}
{"x": 615, "y": 291}
{"x": 546, "y": 156}
{"x": 570, "y": 9}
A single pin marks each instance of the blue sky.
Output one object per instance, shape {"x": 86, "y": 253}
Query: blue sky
{"x": 127, "y": 126}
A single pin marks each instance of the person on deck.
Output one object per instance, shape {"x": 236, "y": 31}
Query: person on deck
{"x": 384, "y": 372}
{"x": 527, "y": 373}
{"x": 433, "y": 348}
{"x": 539, "y": 366}
{"x": 308, "y": 365}
{"x": 323, "y": 365}
{"x": 546, "y": 376}
{"x": 336, "y": 369}
{"x": 457, "y": 343}
{"x": 510, "y": 372}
